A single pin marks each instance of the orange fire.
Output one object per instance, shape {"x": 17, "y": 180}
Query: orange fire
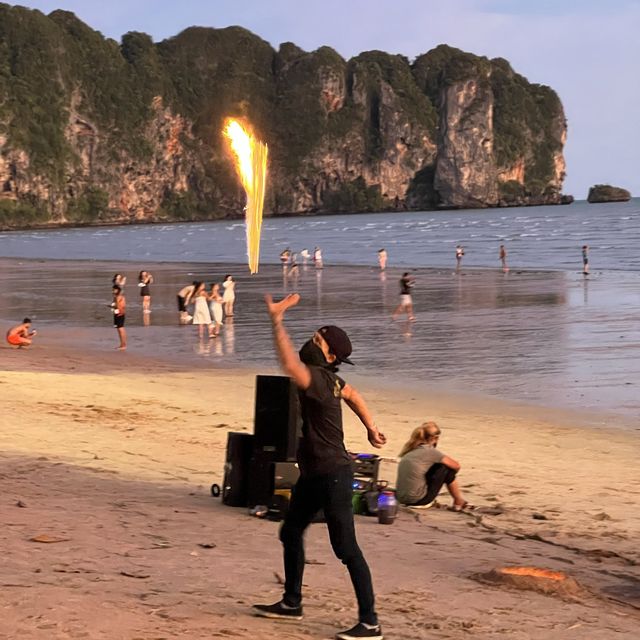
{"x": 250, "y": 159}
{"x": 534, "y": 572}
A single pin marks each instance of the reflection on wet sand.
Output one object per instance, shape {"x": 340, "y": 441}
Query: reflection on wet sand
{"x": 532, "y": 336}
{"x": 229, "y": 336}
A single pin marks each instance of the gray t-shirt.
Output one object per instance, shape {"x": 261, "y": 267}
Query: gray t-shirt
{"x": 412, "y": 471}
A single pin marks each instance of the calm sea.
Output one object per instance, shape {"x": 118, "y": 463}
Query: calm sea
{"x": 542, "y": 333}
{"x": 535, "y": 238}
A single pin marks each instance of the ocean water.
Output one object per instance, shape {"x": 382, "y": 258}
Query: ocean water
{"x": 541, "y": 334}
{"x": 535, "y": 238}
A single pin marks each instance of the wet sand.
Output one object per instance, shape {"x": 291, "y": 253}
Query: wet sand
{"x": 548, "y": 338}
{"x": 111, "y": 456}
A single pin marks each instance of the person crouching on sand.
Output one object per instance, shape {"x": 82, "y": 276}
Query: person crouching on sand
{"x": 326, "y": 476}
{"x": 423, "y": 470}
{"x": 21, "y": 335}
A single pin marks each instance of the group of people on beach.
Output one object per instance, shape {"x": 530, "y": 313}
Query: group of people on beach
{"x": 209, "y": 306}
{"x": 290, "y": 264}
{"x": 502, "y": 256}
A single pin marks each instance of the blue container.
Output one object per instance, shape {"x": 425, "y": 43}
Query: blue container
{"x": 387, "y": 507}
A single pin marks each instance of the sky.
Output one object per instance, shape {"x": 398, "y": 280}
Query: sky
{"x": 587, "y": 50}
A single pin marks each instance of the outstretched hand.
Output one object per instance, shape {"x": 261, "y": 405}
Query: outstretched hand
{"x": 277, "y": 309}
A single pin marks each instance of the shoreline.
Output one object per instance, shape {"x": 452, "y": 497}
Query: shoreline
{"x": 529, "y": 339}
{"x": 396, "y": 267}
{"x": 276, "y": 216}
{"x": 95, "y": 361}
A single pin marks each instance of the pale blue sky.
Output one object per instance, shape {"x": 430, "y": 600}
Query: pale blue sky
{"x": 587, "y": 50}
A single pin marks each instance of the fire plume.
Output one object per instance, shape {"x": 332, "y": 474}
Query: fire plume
{"x": 250, "y": 159}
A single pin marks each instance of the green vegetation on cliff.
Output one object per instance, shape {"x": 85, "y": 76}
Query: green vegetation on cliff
{"x": 527, "y": 118}
{"x": 79, "y": 113}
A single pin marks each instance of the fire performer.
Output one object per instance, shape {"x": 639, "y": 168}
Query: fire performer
{"x": 326, "y": 476}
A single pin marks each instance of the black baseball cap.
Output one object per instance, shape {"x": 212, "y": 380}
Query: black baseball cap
{"x": 338, "y": 341}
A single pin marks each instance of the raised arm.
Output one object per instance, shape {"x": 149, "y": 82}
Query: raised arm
{"x": 356, "y": 403}
{"x": 289, "y": 360}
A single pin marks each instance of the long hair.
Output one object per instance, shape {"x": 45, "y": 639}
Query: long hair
{"x": 424, "y": 434}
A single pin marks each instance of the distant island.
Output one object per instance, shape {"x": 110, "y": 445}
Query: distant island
{"x": 93, "y": 131}
{"x": 607, "y": 193}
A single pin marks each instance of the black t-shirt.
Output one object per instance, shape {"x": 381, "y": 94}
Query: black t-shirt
{"x": 405, "y": 286}
{"x": 321, "y": 448}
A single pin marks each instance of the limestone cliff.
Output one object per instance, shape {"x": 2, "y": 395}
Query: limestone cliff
{"x": 500, "y": 138}
{"x": 97, "y": 131}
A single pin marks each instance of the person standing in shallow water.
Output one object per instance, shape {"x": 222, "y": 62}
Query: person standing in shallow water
{"x": 459, "y": 254}
{"x": 201, "y": 313}
{"x": 145, "y": 280}
{"x": 317, "y": 258}
{"x": 585, "y": 259}
{"x": 503, "y": 258}
{"x": 119, "y": 307}
{"x": 215, "y": 307}
{"x": 382, "y": 259}
{"x": 406, "y": 301}
{"x": 326, "y": 476}
{"x": 229, "y": 295}
{"x": 119, "y": 280}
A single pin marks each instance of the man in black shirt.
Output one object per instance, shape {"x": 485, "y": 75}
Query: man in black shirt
{"x": 326, "y": 476}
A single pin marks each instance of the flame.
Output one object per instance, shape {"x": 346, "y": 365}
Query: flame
{"x": 534, "y": 572}
{"x": 250, "y": 159}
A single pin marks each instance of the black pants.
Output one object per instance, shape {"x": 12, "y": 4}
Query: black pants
{"x": 437, "y": 475}
{"x": 333, "y": 493}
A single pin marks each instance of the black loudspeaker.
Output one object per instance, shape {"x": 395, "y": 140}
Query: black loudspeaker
{"x": 235, "y": 486}
{"x": 285, "y": 475}
{"x": 277, "y": 421}
{"x": 267, "y": 476}
{"x": 260, "y": 479}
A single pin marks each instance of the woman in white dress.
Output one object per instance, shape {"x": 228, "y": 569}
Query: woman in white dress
{"x": 215, "y": 306}
{"x": 201, "y": 315}
{"x": 229, "y": 295}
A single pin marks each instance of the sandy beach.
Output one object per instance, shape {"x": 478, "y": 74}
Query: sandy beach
{"x": 108, "y": 458}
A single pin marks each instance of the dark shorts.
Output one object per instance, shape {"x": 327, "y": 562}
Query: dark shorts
{"x": 437, "y": 476}
{"x": 181, "y": 305}
{"x": 118, "y": 321}
{"x": 145, "y": 291}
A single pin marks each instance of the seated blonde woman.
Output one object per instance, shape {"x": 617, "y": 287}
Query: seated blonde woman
{"x": 423, "y": 470}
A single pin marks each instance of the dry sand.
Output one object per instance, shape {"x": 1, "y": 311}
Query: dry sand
{"x": 112, "y": 456}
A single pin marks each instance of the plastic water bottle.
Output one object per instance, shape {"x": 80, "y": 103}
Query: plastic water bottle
{"x": 387, "y": 507}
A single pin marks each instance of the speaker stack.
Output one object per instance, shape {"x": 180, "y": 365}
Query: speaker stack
{"x": 263, "y": 464}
